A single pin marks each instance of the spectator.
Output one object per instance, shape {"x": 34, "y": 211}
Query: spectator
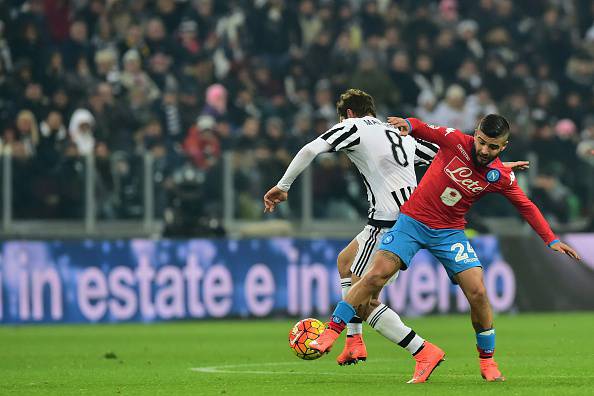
{"x": 201, "y": 144}
{"x": 55, "y": 74}
{"x": 27, "y": 131}
{"x": 106, "y": 67}
{"x": 468, "y": 32}
{"x": 453, "y": 111}
{"x": 309, "y": 22}
{"x": 135, "y": 78}
{"x": 28, "y": 47}
{"x": 170, "y": 115}
{"x": 249, "y": 135}
{"x": 77, "y": 45}
{"x": 160, "y": 72}
{"x": 156, "y": 37}
{"x": 425, "y": 77}
{"x": 188, "y": 40}
{"x": 134, "y": 40}
{"x": 324, "y": 103}
{"x": 425, "y": 109}
{"x": 216, "y": 102}
{"x": 34, "y": 99}
{"x": 401, "y": 74}
{"x": 371, "y": 78}
{"x": 52, "y": 140}
{"x": 80, "y": 129}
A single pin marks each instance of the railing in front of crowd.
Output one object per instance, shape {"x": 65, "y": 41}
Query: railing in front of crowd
{"x": 146, "y": 196}
{"x": 138, "y": 195}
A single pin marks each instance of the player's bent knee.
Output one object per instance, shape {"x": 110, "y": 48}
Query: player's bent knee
{"x": 387, "y": 262}
{"x": 385, "y": 265}
{"x": 477, "y": 294}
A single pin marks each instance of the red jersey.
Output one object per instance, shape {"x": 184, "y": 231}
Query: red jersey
{"x": 453, "y": 183}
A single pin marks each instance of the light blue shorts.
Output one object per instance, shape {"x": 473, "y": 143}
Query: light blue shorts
{"x": 449, "y": 246}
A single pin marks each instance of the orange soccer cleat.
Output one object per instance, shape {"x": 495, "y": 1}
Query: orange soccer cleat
{"x": 427, "y": 360}
{"x": 324, "y": 342}
{"x": 354, "y": 351}
{"x": 490, "y": 371}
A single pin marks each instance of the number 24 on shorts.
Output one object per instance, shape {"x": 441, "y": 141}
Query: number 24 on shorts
{"x": 460, "y": 253}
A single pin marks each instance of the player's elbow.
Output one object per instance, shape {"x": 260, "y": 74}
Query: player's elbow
{"x": 315, "y": 147}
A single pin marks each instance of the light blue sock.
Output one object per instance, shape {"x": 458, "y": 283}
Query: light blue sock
{"x": 485, "y": 343}
{"x": 343, "y": 312}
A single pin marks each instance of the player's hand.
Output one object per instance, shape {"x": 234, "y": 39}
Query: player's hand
{"x": 273, "y": 197}
{"x": 517, "y": 165}
{"x": 564, "y": 248}
{"x": 399, "y": 123}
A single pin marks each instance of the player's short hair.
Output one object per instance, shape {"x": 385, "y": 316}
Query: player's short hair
{"x": 361, "y": 103}
{"x": 494, "y": 126}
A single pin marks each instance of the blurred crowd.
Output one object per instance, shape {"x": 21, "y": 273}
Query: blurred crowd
{"x": 187, "y": 81}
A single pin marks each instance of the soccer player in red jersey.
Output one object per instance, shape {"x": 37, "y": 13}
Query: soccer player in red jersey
{"x": 465, "y": 169}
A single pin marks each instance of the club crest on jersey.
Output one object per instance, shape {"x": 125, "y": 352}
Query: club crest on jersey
{"x": 493, "y": 175}
{"x": 388, "y": 239}
{"x": 460, "y": 173}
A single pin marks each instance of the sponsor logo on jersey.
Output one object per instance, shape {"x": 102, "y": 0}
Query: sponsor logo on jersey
{"x": 464, "y": 153}
{"x": 460, "y": 173}
{"x": 450, "y": 196}
{"x": 493, "y": 175}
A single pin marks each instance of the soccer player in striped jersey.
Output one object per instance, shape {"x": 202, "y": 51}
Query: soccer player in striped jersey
{"x": 466, "y": 168}
{"x": 386, "y": 163}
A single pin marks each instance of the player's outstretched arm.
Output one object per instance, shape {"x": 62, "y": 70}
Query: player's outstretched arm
{"x": 565, "y": 248}
{"x": 534, "y": 217}
{"x": 442, "y": 136}
{"x": 517, "y": 165}
{"x": 273, "y": 197}
{"x": 279, "y": 193}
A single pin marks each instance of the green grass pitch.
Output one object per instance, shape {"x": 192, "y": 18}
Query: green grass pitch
{"x": 540, "y": 354}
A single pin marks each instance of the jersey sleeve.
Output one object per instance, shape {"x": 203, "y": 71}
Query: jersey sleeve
{"x": 528, "y": 210}
{"x": 442, "y": 136}
{"x": 425, "y": 152}
{"x": 302, "y": 161}
{"x": 342, "y": 136}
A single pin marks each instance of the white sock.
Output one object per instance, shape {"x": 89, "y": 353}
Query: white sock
{"x": 352, "y": 328}
{"x": 388, "y": 323}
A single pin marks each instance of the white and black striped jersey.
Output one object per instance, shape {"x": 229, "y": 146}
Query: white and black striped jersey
{"x": 385, "y": 160}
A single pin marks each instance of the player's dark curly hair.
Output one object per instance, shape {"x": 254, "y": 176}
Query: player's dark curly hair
{"x": 361, "y": 103}
{"x": 494, "y": 126}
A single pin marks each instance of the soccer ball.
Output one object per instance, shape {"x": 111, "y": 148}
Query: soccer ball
{"x": 302, "y": 334}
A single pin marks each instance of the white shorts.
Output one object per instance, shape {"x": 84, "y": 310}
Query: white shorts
{"x": 368, "y": 242}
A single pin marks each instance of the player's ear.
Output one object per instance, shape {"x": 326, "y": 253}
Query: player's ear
{"x": 350, "y": 113}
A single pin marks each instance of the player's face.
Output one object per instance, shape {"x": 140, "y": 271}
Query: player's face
{"x": 486, "y": 148}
